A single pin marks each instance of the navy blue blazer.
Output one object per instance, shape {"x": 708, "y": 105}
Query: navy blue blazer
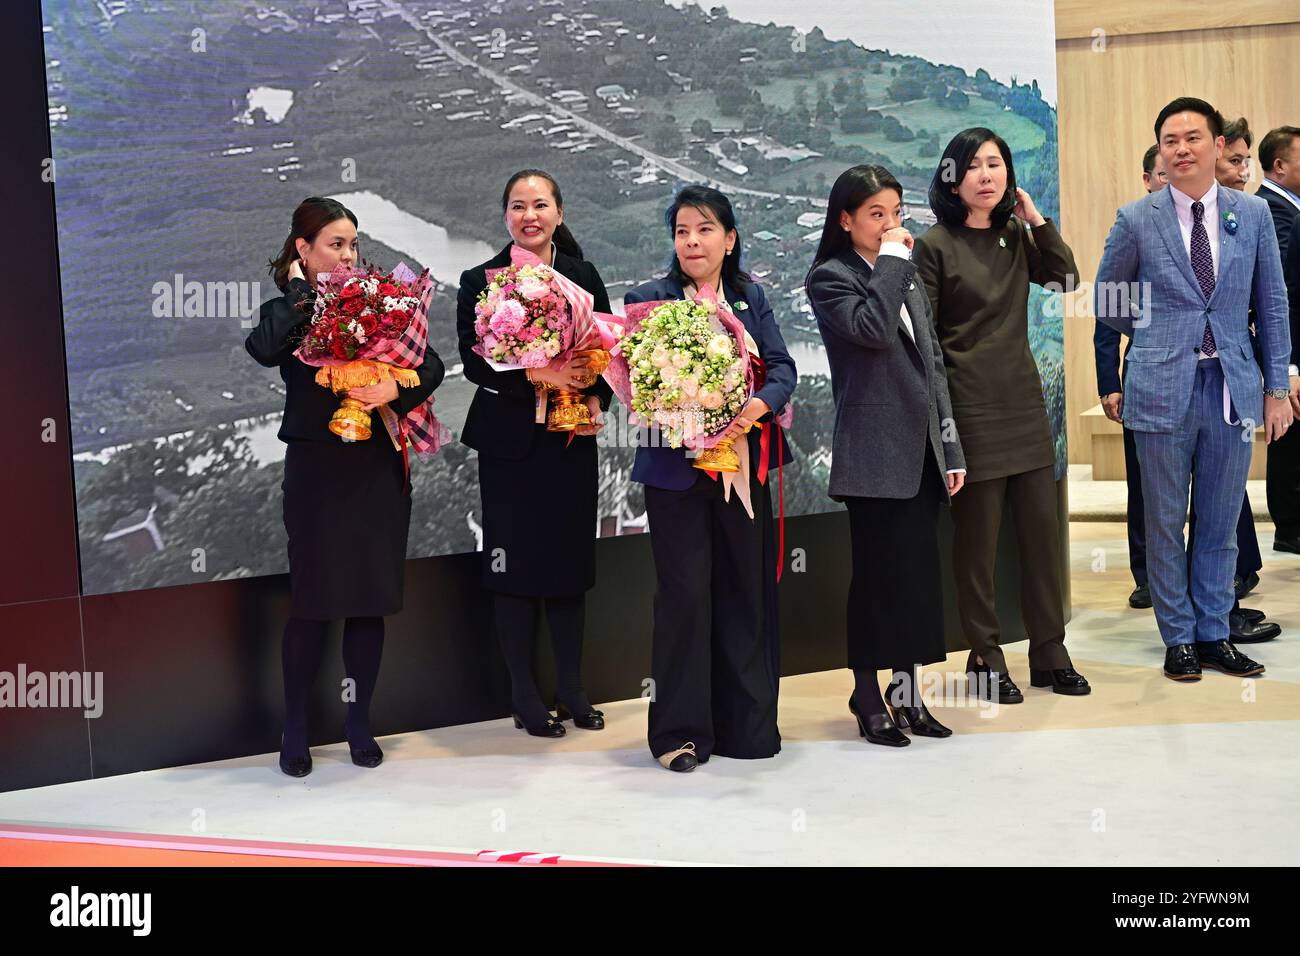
{"x": 670, "y": 468}
{"x": 1105, "y": 346}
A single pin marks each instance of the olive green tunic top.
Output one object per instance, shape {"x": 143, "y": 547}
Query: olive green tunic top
{"x": 978, "y": 283}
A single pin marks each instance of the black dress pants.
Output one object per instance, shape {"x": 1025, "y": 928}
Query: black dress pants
{"x": 714, "y": 661}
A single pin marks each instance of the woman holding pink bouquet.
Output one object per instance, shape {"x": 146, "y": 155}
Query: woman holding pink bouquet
{"x": 538, "y": 486}
{"x": 346, "y": 506}
{"x": 715, "y": 657}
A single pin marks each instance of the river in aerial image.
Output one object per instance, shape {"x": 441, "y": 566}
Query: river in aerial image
{"x": 445, "y": 256}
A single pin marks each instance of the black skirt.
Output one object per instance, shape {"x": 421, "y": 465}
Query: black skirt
{"x": 895, "y": 608}
{"x": 539, "y": 517}
{"x": 347, "y": 516}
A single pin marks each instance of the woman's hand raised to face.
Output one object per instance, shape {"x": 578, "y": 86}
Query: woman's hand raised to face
{"x": 1025, "y": 209}
{"x": 897, "y": 234}
{"x": 295, "y": 270}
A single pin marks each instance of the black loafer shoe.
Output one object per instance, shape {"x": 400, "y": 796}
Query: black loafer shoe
{"x": 592, "y": 720}
{"x": 552, "y": 727}
{"x": 1242, "y": 631}
{"x": 1243, "y": 586}
{"x": 1064, "y": 680}
{"x": 879, "y": 729}
{"x": 986, "y": 679}
{"x": 1222, "y": 656}
{"x": 1182, "y": 663}
{"x": 1250, "y": 615}
{"x": 1290, "y": 545}
{"x": 1140, "y": 598}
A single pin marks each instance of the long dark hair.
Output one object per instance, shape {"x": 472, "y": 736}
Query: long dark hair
{"x": 312, "y": 215}
{"x": 562, "y": 237}
{"x": 947, "y": 205}
{"x": 854, "y": 186}
{"x": 711, "y": 201}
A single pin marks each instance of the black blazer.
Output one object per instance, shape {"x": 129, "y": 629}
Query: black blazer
{"x": 890, "y": 388}
{"x": 500, "y": 418}
{"x": 1284, "y": 214}
{"x": 308, "y": 406}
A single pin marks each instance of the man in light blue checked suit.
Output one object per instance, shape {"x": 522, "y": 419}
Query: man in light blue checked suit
{"x": 1181, "y": 269}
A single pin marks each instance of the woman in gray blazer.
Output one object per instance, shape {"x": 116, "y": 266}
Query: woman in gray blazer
{"x": 895, "y": 456}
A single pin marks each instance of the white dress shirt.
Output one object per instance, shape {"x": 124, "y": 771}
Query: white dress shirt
{"x": 1283, "y": 192}
{"x": 1183, "y": 206}
{"x": 1210, "y": 218}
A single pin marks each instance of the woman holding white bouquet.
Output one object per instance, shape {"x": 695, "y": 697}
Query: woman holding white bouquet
{"x": 715, "y": 657}
{"x": 538, "y": 487}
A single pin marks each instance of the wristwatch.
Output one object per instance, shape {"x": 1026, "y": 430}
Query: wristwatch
{"x": 1279, "y": 393}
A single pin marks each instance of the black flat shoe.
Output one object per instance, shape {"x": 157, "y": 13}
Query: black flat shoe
{"x": 294, "y": 766}
{"x": 879, "y": 729}
{"x": 366, "y": 756}
{"x": 1222, "y": 656}
{"x": 1243, "y": 586}
{"x": 1007, "y": 691}
{"x": 1063, "y": 680}
{"x": 1181, "y": 663}
{"x": 1243, "y": 631}
{"x": 592, "y": 720}
{"x": 1140, "y": 598}
{"x": 919, "y": 719}
{"x": 552, "y": 728}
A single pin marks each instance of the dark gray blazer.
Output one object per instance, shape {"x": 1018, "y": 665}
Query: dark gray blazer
{"x": 891, "y": 392}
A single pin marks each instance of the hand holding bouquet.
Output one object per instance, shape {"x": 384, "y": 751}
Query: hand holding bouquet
{"x": 370, "y": 327}
{"x": 684, "y": 368}
{"x": 532, "y": 317}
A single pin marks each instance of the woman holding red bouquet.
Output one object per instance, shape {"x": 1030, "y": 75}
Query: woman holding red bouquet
{"x": 538, "y": 487}
{"x": 346, "y": 507}
{"x": 715, "y": 657}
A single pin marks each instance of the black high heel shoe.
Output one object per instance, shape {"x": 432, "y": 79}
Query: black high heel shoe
{"x": 592, "y": 720}
{"x": 553, "y": 727}
{"x": 294, "y": 766}
{"x": 879, "y": 729}
{"x": 919, "y": 719}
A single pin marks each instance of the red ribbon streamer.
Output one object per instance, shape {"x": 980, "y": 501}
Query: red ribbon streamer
{"x": 764, "y": 452}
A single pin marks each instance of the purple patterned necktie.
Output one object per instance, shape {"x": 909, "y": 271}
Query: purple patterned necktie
{"x": 1203, "y": 266}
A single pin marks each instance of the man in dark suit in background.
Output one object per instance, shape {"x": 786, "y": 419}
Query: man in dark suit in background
{"x": 1247, "y": 625}
{"x": 1279, "y": 158}
{"x": 1105, "y": 344}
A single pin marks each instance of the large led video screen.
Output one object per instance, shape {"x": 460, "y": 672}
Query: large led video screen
{"x": 184, "y": 133}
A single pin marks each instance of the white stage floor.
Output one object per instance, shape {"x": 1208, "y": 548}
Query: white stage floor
{"x": 1089, "y": 781}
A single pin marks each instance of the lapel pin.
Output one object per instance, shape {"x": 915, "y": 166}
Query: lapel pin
{"x": 1002, "y": 241}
